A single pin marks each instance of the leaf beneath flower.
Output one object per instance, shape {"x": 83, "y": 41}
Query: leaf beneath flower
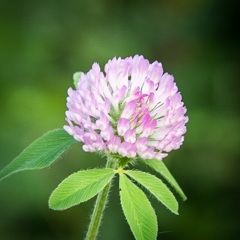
{"x": 41, "y": 153}
{"x": 137, "y": 210}
{"x": 157, "y": 188}
{"x": 160, "y": 167}
{"x": 80, "y": 187}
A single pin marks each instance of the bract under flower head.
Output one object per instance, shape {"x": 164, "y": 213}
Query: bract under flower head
{"x": 133, "y": 110}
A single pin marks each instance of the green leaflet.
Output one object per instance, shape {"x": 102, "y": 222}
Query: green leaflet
{"x": 137, "y": 210}
{"x": 160, "y": 167}
{"x": 76, "y": 78}
{"x": 157, "y": 188}
{"x": 41, "y": 153}
{"x": 80, "y": 187}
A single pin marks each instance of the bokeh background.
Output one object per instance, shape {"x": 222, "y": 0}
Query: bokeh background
{"x": 42, "y": 43}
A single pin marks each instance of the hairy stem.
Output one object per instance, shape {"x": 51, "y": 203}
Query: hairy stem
{"x": 98, "y": 210}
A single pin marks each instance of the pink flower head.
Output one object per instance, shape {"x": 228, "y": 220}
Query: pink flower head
{"x": 131, "y": 110}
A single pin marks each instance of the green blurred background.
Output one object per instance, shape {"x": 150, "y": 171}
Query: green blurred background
{"x": 42, "y": 43}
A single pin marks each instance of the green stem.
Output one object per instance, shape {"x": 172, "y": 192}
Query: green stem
{"x": 98, "y": 210}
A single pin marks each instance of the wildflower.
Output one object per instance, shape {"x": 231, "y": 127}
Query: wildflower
{"x": 133, "y": 110}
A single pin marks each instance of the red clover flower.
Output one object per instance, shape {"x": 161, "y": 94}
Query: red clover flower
{"x": 133, "y": 110}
